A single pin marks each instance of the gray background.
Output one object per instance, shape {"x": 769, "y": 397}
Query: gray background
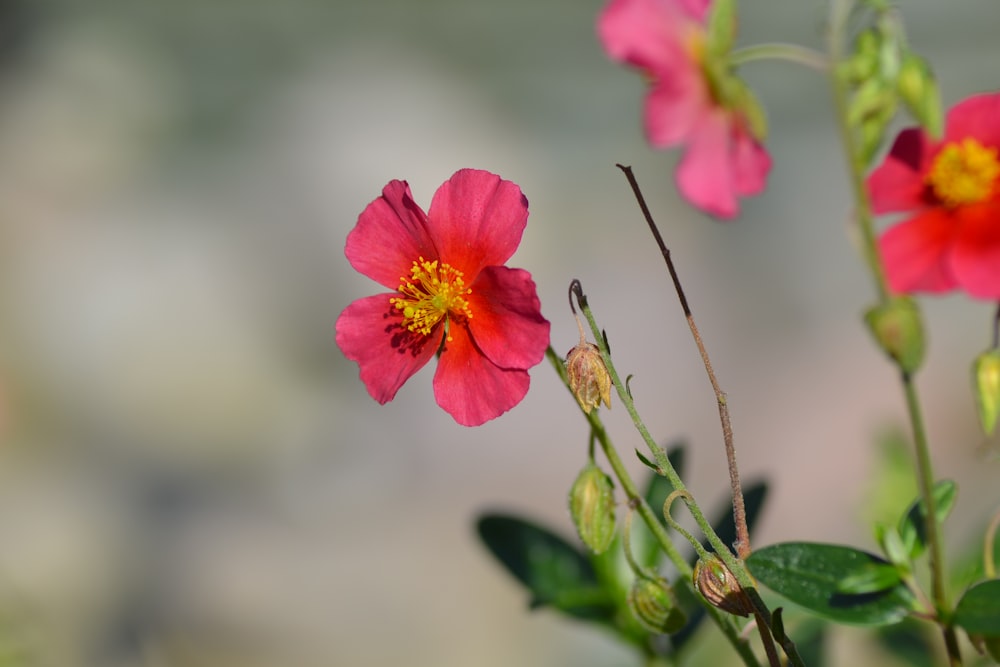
{"x": 190, "y": 472}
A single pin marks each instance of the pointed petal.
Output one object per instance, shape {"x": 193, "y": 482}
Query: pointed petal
{"x": 914, "y": 253}
{"x": 750, "y": 163}
{"x": 476, "y": 219}
{"x": 649, "y": 34}
{"x": 390, "y": 235}
{"x": 898, "y": 183}
{"x": 470, "y": 388}
{"x": 507, "y": 322}
{"x": 370, "y": 332}
{"x": 977, "y": 117}
{"x": 975, "y": 254}
{"x": 705, "y": 173}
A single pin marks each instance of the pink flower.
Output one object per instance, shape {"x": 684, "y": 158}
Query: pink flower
{"x": 951, "y": 188}
{"x": 666, "y": 39}
{"x": 452, "y": 296}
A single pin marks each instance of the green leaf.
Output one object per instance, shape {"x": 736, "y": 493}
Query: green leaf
{"x": 646, "y": 462}
{"x": 978, "y": 612}
{"x": 909, "y": 642}
{"x": 554, "y": 571}
{"x": 811, "y": 574}
{"x": 912, "y": 524}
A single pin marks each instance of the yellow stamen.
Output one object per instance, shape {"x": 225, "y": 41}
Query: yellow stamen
{"x": 964, "y": 173}
{"x": 432, "y": 292}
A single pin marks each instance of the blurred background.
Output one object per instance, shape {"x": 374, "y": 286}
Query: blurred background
{"x": 190, "y": 472}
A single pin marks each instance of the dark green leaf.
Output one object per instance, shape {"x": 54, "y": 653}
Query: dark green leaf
{"x": 554, "y": 571}
{"x": 810, "y": 575}
{"x": 978, "y": 611}
{"x": 908, "y": 641}
{"x": 912, "y": 524}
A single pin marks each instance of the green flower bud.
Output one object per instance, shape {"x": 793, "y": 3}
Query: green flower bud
{"x": 592, "y": 506}
{"x": 863, "y": 64}
{"x": 719, "y": 586}
{"x": 986, "y": 386}
{"x": 897, "y": 327}
{"x": 589, "y": 379}
{"x": 653, "y": 604}
{"x": 919, "y": 91}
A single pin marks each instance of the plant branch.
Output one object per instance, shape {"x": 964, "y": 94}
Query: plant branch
{"x": 739, "y": 507}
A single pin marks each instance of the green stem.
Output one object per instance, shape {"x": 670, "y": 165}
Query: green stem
{"x": 636, "y": 499}
{"x": 839, "y": 13}
{"x": 794, "y": 53}
{"x": 855, "y": 163}
{"x": 925, "y": 478}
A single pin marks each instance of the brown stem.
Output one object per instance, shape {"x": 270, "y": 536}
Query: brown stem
{"x": 739, "y": 508}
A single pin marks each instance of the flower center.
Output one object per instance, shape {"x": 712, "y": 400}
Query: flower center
{"x": 432, "y": 292}
{"x": 964, "y": 173}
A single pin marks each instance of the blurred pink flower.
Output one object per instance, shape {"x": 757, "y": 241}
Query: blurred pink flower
{"x": 666, "y": 39}
{"x": 452, "y": 296}
{"x": 951, "y": 187}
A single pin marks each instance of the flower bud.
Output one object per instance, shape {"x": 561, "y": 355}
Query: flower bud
{"x": 592, "y": 506}
{"x": 588, "y": 376}
{"x": 919, "y": 91}
{"x": 719, "y": 586}
{"x": 986, "y": 386}
{"x": 653, "y": 604}
{"x": 863, "y": 64}
{"x": 897, "y": 327}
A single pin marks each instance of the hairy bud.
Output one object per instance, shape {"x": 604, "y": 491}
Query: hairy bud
{"x": 986, "y": 386}
{"x": 653, "y": 604}
{"x": 898, "y": 329}
{"x": 592, "y": 506}
{"x": 588, "y": 376}
{"x": 719, "y": 586}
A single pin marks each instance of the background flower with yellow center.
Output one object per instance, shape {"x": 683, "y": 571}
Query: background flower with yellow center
{"x": 951, "y": 191}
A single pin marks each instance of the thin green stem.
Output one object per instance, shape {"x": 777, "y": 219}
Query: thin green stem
{"x": 925, "y": 479}
{"x": 793, "y": 53}
{"x": 839, "y": 14}
{"x": 666, "y": 468}
{"x": 725, "y": 623}
{"x": 856, "y": 168}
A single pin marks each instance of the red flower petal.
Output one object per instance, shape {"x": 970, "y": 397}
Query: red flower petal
{"x": 704, "y": 175}
{"x": 915, "y": 253}
{"x": 977, "y": 117}
{"x": 476, "y": 219}
{"x": 674, "y": 107}
{"x": 898, "y": 183}
{"x": 391, "y": 233}
{"x": 648, "y": 34}
{"x": 370, "y": 332}
{"x": 470, "y": 388}
{"x": 975, "y": 255}
{"x": 507, "y": 323}
{"x": 750, "y": 162}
